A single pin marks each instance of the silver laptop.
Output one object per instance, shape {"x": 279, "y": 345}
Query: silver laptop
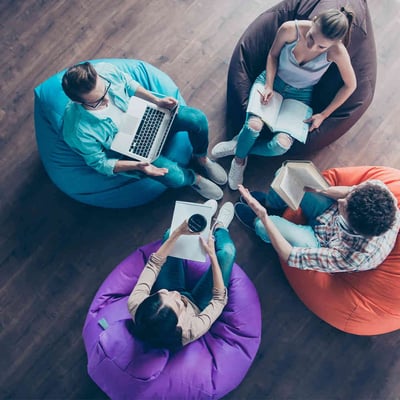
{"x": 143, "y": 130}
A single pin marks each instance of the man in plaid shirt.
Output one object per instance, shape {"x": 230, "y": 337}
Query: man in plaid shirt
{"x": 351, "y": 228}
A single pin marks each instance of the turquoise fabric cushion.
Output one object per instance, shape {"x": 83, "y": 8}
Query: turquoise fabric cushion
{"x": 68, "y": 170}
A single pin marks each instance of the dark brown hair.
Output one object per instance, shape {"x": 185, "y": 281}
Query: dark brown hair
{"x": 336, "y": 24}
{"x": 157, "y": 324}
{"x": 79, "y": 79}
{"x": 371, "y": 210}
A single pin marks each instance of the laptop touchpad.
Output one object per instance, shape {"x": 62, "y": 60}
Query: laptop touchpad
{"x": 129, "y": 124}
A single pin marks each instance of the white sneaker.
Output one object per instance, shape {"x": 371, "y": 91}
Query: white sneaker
{"x": 207, "y": 189}
{"x": 235, "y": 176}
{"x": 213, "y": 205}
{"x": 214, "y": 172}
{"x": 225, "y": 215}
{"x": 224, "y": 149}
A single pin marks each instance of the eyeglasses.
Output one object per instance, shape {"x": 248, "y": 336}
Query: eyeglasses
{"x": 98, "y": 102}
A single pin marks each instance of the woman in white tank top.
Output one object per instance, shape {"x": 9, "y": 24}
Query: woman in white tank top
{"x": 300, "y": 54}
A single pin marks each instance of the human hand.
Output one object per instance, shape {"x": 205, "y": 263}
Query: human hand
{"x": 312, "y": 190}
{"x": 333, "y": 192}
{"x": 150, "y": 169}
{"x": 209, "y": 245}
{"x": 315, "y": 121}
{"x": 254, "y": 204}
{"x": 183, "y": 229}
{"x": 267, "y": 95}
{"x": 167, "y": 246}
{"x": 167, "y": 102}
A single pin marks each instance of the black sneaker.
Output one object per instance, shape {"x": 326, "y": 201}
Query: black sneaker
{"x": 245, "y": 215}
{"x": 261, "y": 197}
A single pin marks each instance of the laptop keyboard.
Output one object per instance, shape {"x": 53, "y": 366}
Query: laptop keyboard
{"x": 147, "y": 132}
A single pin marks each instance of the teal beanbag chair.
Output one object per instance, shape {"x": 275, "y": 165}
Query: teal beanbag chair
{"x": 68, "y": 170}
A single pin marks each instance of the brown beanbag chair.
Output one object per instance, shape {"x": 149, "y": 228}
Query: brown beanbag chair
{"x": 362, "y": 303}
{"x": 250, "y": 55}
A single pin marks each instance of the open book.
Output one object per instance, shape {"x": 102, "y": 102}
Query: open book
{"x": 281, "y": 115}
{"x": 291, "y": 179}
{"x": 189, "y": 247}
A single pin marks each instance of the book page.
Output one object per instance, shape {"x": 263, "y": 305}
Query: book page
{"x": 267, "y": 112}
{"x": 189, "y": 247}
{"x": 291, "y": 187}
{"x": 291, "y": 179}
{"x": 307, "y": 175}
{"x": 291, "y": 117}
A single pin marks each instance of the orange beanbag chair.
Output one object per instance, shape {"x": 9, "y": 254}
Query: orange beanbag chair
{"x": 362, "y": 303}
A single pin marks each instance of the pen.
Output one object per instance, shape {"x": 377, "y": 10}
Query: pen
{"x": 259, "y": 91}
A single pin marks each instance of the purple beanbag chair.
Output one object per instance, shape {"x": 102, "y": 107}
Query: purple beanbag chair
{"x": 209, "y": 368}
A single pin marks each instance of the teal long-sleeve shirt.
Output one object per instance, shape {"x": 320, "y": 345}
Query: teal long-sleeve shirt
{"x": 91, "y": 135}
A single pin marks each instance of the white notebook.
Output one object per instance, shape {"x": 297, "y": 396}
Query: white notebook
{"x": 281, "y": 115}
{"x": 189, "y": 247}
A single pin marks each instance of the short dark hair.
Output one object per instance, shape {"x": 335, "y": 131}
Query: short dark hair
{"x": 156, "y": 324}
{"x": 371, "y": 210}
{"x": 79, "y": 79}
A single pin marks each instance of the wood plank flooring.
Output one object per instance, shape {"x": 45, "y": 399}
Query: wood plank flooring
{"x": 55, "y": 252}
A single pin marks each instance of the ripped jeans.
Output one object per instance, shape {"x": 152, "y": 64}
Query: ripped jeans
{"x": 249, "y": 141}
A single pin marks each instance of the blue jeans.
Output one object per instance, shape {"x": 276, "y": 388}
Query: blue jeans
{"x": 312, "y": 205}
{"x": 249, "y": 141}
{"x": 195, "y": 123}
{"x": 172, "y": 274}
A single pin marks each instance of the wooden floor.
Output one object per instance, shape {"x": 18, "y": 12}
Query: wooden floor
{"x": 55, "y": 252}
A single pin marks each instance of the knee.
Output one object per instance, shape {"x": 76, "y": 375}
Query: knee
{"x": 260, "y": 231}
{"x": 228, "y": 251}
{"x": 258, "y": 226}
{"x": 284, "y": 140}
{"x": 197, "y": 119}
{"x": 175, "y": 176}
{"x": 255, "y": 124}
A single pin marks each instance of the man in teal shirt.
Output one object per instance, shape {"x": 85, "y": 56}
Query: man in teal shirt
{"x": 100, "y": 97}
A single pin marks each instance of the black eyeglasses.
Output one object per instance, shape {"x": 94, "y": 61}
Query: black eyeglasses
{"x": 97, "y": 103}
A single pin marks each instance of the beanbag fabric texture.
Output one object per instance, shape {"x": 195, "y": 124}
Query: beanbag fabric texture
{"x": 68, "y": 170}
{"x": 125, "y": 368}
{"x": 362, "y": 303}
{"x": 249, "y": 59}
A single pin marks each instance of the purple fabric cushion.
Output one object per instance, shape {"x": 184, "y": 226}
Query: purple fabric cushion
{"x": 208, "y": 368}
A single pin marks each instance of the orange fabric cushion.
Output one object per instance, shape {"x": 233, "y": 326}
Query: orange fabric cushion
{"x": 362, "y": 303}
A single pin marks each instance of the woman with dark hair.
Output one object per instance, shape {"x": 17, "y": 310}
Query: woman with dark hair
{"x": 301, "y": 53}
{"x": 165, "y": 313}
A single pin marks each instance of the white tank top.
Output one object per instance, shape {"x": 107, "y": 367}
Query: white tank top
{"x": 300, "y": 76}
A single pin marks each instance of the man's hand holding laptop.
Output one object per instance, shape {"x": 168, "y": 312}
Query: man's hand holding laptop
{"x": 163, "y": 102}
{"x": 167, "y": 102}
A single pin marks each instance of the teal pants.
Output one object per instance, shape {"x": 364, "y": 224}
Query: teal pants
{"x": 172, "y": 274}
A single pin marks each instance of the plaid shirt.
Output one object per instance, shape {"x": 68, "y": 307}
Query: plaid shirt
{"x": 343, "y": 251}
